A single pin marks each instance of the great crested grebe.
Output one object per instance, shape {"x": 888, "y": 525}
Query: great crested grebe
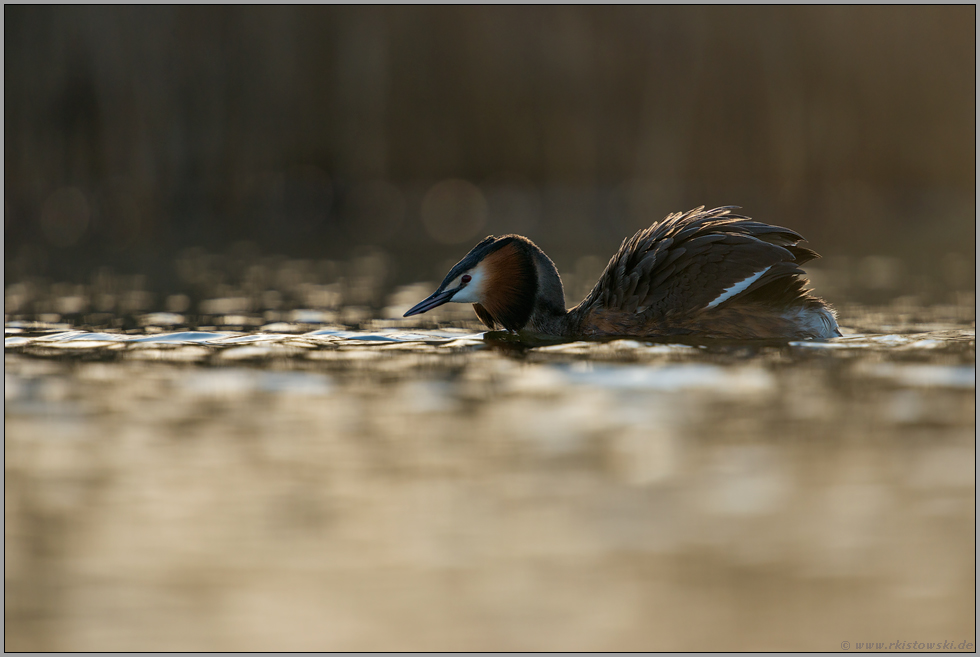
{"x": 703, "y": 273}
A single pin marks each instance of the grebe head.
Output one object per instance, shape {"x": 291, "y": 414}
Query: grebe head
{"x": 502, "y": 278}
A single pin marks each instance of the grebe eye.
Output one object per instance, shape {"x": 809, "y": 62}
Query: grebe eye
{"x": 466, "y": 278}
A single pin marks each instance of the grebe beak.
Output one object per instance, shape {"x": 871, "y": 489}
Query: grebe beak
{"x": 434, "y": 301}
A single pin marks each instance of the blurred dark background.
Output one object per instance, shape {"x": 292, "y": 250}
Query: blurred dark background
{"x": 160, "y": 158}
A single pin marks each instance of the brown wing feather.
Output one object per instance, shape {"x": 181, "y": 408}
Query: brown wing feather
{"x": 683, "y": 263}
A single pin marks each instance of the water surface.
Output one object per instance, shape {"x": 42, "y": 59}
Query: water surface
{"x": 329, "y": 488}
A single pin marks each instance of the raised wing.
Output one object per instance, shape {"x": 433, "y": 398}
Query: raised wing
{"x": 698, "y": 260}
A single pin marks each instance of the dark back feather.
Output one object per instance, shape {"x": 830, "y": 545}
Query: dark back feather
{"x": 689, "y": 260}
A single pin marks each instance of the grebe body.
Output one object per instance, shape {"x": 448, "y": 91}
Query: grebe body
{"x": 703, "y": 273}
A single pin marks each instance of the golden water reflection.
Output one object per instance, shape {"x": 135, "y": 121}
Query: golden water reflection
{"x": 345, "y": 490}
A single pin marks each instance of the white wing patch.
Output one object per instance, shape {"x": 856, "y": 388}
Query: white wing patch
{"x": 737, "y": 288}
